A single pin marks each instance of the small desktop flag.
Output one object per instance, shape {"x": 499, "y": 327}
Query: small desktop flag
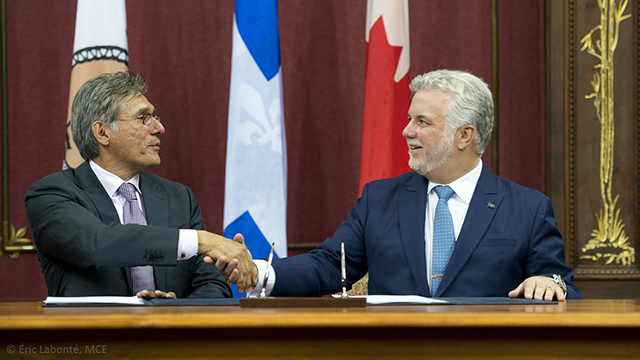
{"x": 99, "y": 46}
{"x": 386, "y": 95}
{"x": 256, "y": 168}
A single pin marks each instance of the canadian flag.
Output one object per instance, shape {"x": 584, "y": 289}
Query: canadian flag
{"x": 386, "y": 94}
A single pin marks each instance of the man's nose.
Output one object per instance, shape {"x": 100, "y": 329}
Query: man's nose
{"x": 408, "y": 131}
{"x": 157, "y": 127}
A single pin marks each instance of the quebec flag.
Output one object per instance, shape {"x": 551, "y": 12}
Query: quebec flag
{"x": 256, "y": 168}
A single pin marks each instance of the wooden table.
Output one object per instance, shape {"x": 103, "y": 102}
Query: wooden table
{"x": 578, "y": 329}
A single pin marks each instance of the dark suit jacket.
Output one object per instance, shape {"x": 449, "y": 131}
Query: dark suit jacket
{"x": 508, "y": 235}
{"x": 84, "y": 249}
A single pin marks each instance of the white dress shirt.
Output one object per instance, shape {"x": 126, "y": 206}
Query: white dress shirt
{"x": 188, "y": 238}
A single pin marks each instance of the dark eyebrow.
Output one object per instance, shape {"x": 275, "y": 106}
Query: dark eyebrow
{"x": 145, "y": 110}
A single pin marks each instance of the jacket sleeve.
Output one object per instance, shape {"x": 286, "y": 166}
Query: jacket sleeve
{"x": 546, "y": 249}
{"x": 319, "y": 272}
{"x": 70, "y": 226}
{"x": 205, "y": 281}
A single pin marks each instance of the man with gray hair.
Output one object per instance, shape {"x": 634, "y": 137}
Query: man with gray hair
{"x": 450, "y": 228}
{"x": 110, "y": 228}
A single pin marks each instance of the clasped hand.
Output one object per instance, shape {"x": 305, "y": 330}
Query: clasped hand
{"x": 231, "y": 257}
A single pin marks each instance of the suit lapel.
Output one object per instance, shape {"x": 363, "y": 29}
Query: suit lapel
{"x": 156, "y": 209}
{"x": 483, "y": 206}
{"x": 93, "y": 189}
{"x": 155, "y": 202}
{"x": 411, "y": 212}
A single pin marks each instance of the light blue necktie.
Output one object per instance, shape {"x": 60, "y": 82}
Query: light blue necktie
{"x": 444, "y": 239}
{"x": 142, "y": 276}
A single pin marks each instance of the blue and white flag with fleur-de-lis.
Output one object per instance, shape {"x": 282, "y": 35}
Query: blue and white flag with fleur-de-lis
{"x": 256, "y": 168}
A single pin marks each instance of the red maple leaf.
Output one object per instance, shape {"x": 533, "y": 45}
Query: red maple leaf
{"x": 386, "y": 102}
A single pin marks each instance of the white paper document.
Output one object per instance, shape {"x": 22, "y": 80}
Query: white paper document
{"x": 398, "y": 300}
{"x": 80, "y": 300}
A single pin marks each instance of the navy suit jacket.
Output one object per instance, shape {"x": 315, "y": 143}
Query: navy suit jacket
{"x": 508, "y": 235}
{"x": 84, "y": 249}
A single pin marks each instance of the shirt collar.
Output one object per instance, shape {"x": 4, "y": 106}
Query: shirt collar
{"x": 111, "y": 182}
{"x": 464, "y": 186}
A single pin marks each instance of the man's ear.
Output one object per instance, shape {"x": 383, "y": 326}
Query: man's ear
{"x": 467, "y": 134}
{"x": 101, "y": 132}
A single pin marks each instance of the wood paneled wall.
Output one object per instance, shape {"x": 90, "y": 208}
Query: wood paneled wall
{"x": 593, "y": 164}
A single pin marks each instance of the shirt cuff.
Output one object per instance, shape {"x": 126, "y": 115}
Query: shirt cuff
{"x": 187, "y": 244}
{"x": 255, "y": 291}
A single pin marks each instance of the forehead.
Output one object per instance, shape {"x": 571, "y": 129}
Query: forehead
{"x": 137, "y": 104}
{"x": 430, "y": 103}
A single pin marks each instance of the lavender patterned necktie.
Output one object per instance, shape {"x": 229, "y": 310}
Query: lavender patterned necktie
{"x": 142, "y": 276}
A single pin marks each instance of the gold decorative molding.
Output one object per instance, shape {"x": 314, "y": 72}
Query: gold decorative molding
{"x": 16, "y": 242}
{"x": 609, "y": 241}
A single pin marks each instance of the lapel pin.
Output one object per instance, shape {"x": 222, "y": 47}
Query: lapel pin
{"x": 491, "y": 205}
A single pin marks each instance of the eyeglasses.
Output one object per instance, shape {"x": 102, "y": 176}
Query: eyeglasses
{"x": 144, "y": 118}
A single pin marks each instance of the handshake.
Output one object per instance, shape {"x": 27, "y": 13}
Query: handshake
{"x": 231, "y": 257}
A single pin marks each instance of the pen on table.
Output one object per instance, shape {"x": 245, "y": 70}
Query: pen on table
{"x": 263, "y": 293}
{"x": 344, "y": 271}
